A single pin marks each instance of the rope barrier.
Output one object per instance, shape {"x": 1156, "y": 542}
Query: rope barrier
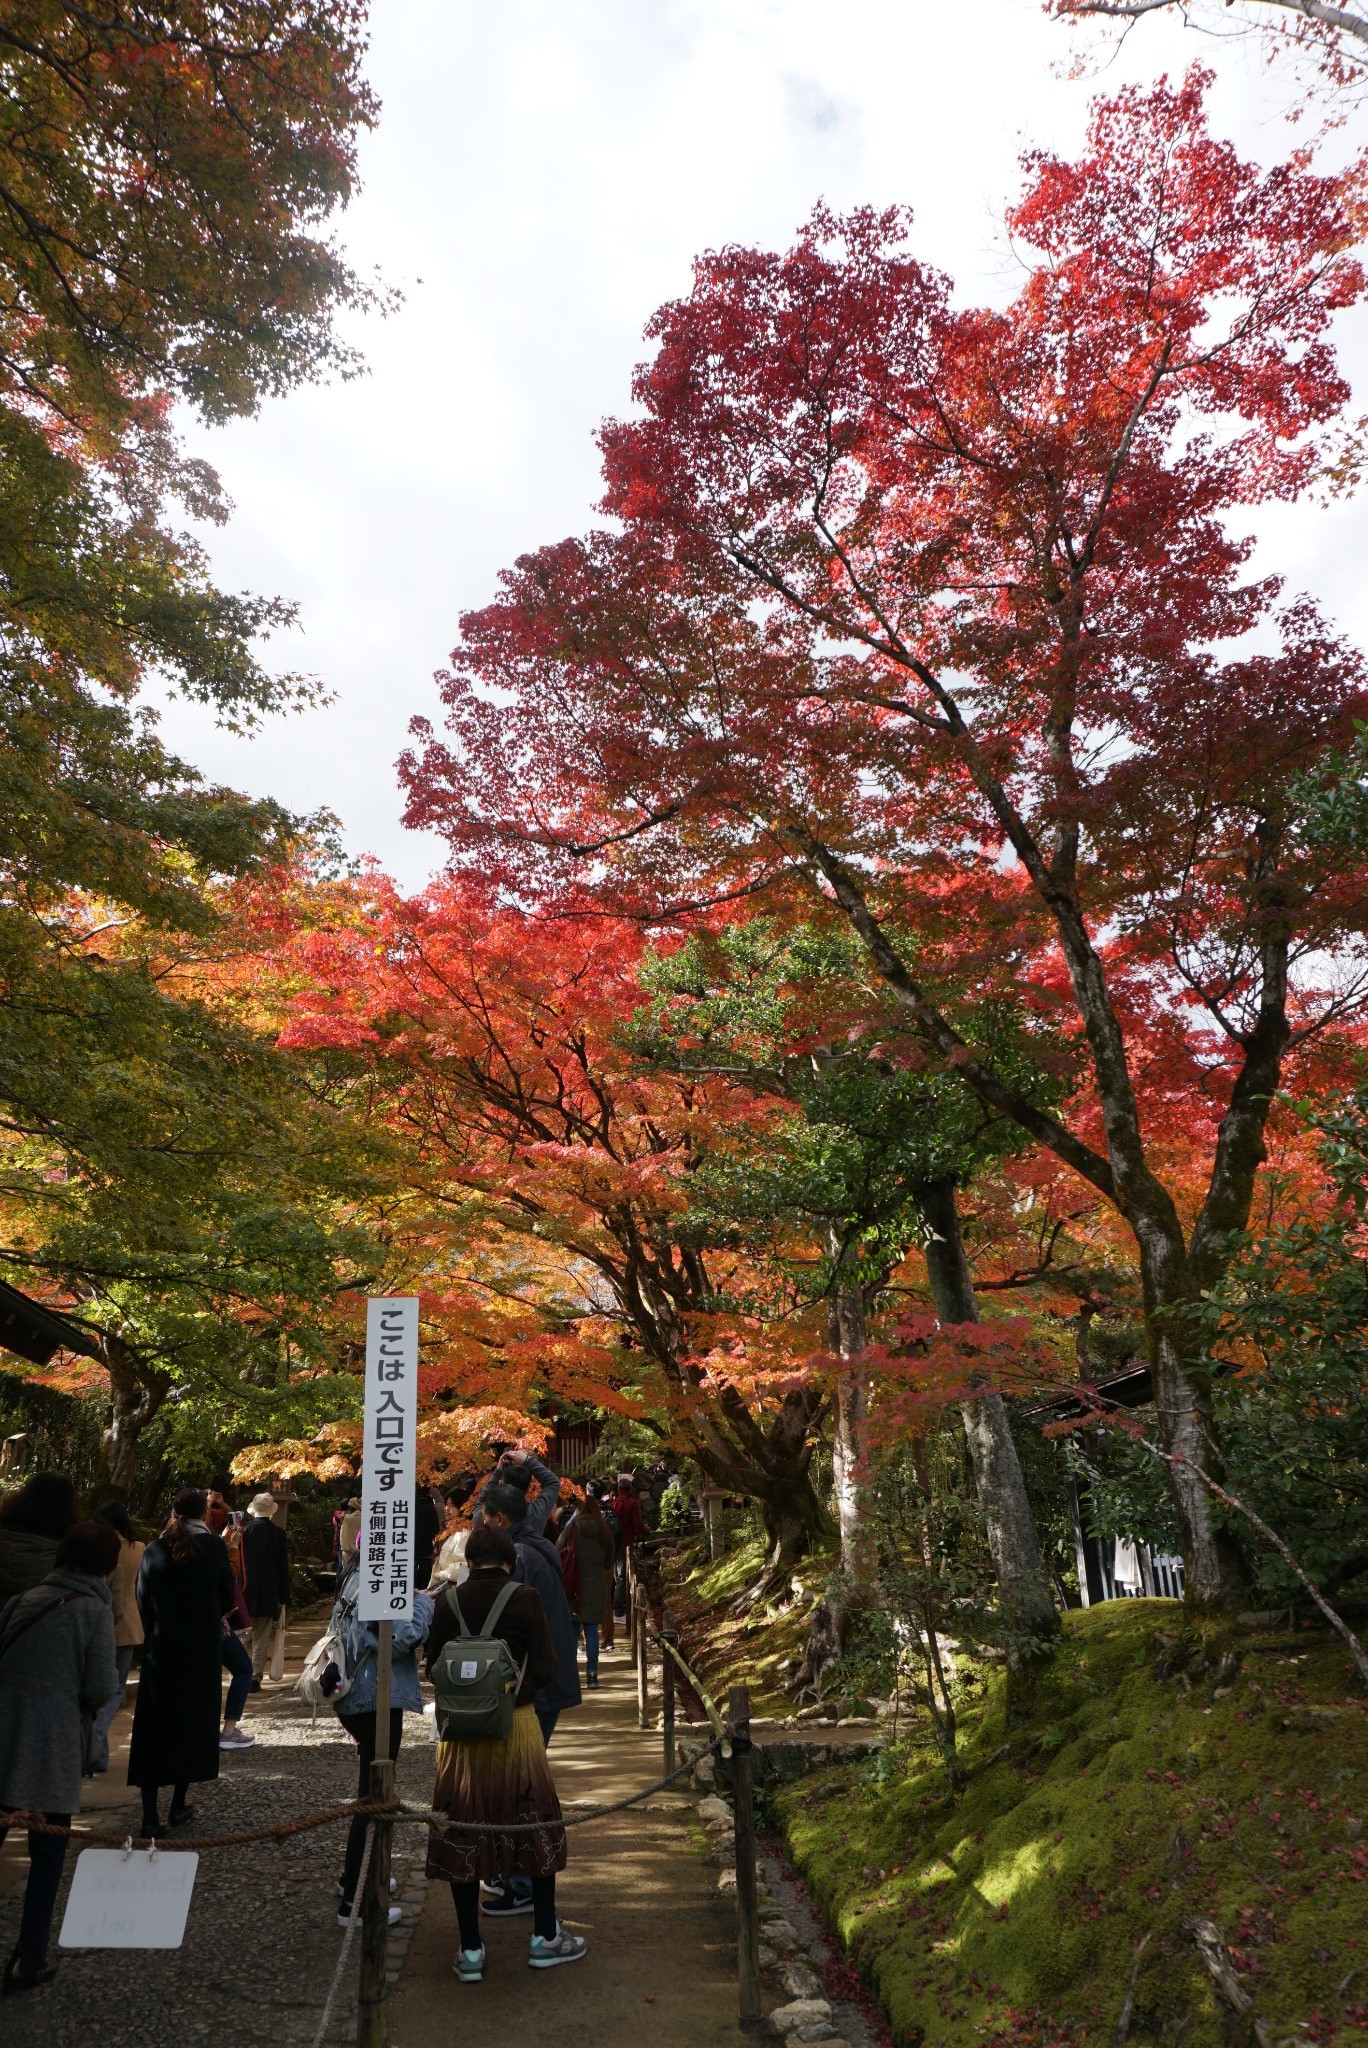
{"x": 279, "y": 1832}
{"x": 367, "y": 1809}
{"x": 433, "y": 1817}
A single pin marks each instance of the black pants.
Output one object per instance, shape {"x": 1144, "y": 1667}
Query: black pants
{"x": 150, "y": 1822}
{"x": 361, "y": 1728}
{"x": 47, "y": 1854}
{"x": 467, "y": 1901}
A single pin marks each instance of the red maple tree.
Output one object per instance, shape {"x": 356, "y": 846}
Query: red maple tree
{"x": 940, "y": 611}
{"x": 546, "y": 1175}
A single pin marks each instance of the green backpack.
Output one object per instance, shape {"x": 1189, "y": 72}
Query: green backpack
{"x": 475, "y": 1678}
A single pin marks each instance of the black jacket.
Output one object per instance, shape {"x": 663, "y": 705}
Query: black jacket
{"x": 267, "y": 1557}
{"x": 539, "y": 1566}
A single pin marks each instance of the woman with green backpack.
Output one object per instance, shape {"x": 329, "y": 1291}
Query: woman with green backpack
{"x": 489, "y": 1652}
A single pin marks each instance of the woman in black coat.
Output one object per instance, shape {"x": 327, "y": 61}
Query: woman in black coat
{"x": 185, "y": 1587}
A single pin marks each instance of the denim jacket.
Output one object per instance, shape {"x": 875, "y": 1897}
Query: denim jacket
{"x": 362, "y": 1643}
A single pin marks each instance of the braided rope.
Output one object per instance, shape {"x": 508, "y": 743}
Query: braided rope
{"x": 442, "y": 1823}
{"x": 368, "y": 1809}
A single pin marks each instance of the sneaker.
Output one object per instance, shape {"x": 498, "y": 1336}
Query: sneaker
{"x": 563, "y": 1948}
{"x": 505, "y": 1905}
{"x": 396, "y": 1914}
{"x": 236, "y": 1738}
{"x": 592, "y": 1681}
{"x": 469, "y": 1964}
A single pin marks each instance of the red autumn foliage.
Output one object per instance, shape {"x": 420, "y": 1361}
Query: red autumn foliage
{"x": 940, "y": 611}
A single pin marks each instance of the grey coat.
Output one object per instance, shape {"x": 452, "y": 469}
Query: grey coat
{"x": 58, "y": 1675}
{"x": 594, "y": 1554}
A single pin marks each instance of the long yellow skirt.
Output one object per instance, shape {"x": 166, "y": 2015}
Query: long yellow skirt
{"x": 497, "y": 1782}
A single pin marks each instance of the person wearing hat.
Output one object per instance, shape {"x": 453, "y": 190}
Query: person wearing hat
{"x": 267, "y": 1556}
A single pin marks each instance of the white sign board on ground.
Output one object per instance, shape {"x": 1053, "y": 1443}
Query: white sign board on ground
{"x": 134, "y": 1901}
{"x": 388, "y": 1459}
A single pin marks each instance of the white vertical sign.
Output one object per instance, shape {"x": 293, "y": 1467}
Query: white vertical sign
{"x": 388, "y": 1459}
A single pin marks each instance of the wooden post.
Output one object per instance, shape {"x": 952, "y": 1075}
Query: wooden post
{"x": 670, "y": 1637}
{"x": 371, "y": 2020}
{"x": 384, "y": 1665}
{"x": 643, "y": 1657}
{"x": 747, "y": 1892}
{"x": 631, "y": 1601}
{"x": 372, "y": 2030}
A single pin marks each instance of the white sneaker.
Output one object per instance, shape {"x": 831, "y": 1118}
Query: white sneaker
{"x": 396, "y": 1914}
{"x": 562, "y": 1948}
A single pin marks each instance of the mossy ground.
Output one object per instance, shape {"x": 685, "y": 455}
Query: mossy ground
{"x": 1124, "y": 1802}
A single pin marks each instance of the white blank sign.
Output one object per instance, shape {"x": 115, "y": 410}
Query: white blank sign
{"x": 134, "y": 1901}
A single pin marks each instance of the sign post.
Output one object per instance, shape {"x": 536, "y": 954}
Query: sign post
{"x": 388, "y": 1489}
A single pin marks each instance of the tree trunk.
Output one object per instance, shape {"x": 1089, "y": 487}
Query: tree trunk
{"x": 859, "y": 1561}
{"x": 1215, "y": 1569}
{"x": 849, "y": 1337}
{"x": 1172, "y": 1276}
{"x": 770, "y": 1461}
{"x": 1023, "y": 1582}
{"x": 767, "y": 1457}
{"x": 135, "y": 1395}
{"x": 829, "y": 1628}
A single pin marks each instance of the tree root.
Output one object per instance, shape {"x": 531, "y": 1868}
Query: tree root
{"x": 1206, "y": 1938}
{"x": 1123, "y": 2019}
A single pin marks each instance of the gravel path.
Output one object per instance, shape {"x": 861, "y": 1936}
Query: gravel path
{"x": 262, "y": 1939}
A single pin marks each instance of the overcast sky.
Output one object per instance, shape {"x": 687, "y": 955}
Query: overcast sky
{"x": 541, "y": 178}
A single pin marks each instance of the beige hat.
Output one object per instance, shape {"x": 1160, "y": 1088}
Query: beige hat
{"x": 263, "y": 1504}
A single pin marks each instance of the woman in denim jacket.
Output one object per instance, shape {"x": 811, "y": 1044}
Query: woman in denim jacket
{"x": 356, "y": 1709}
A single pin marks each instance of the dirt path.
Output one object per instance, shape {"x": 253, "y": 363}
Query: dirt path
{"x": 662, "y": 1943}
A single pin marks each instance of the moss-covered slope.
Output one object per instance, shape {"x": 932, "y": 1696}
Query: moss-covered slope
{"x": 1168, "y": 1772}
{"x": 725, "y": 1646}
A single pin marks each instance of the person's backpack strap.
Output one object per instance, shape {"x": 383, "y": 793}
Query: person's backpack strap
{"x": 454, "y": 1604}
{"x": 505, "y": 1595}
{"x": 36, "y": 1614}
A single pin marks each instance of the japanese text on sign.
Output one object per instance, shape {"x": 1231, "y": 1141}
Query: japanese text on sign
{"x": 387, "y": 1470}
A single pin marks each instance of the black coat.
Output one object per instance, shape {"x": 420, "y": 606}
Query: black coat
{"x": 176, "y": 1719}
{"x": 266, "y": 1554}
{"x": 426, "y": 1523}
{"x": 539, "y": 1566}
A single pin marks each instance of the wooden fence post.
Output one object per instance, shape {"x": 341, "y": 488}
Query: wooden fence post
{"x": 631, "y": 1602}
{"x": 670, "y": 1640}
{"x": 372, "y": 2030}
{"x": 643, "y": 1657}
{"x": 747, "y": 1891}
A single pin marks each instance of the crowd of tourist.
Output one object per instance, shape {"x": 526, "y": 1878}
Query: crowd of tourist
{"x": 508, "y": 1564}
